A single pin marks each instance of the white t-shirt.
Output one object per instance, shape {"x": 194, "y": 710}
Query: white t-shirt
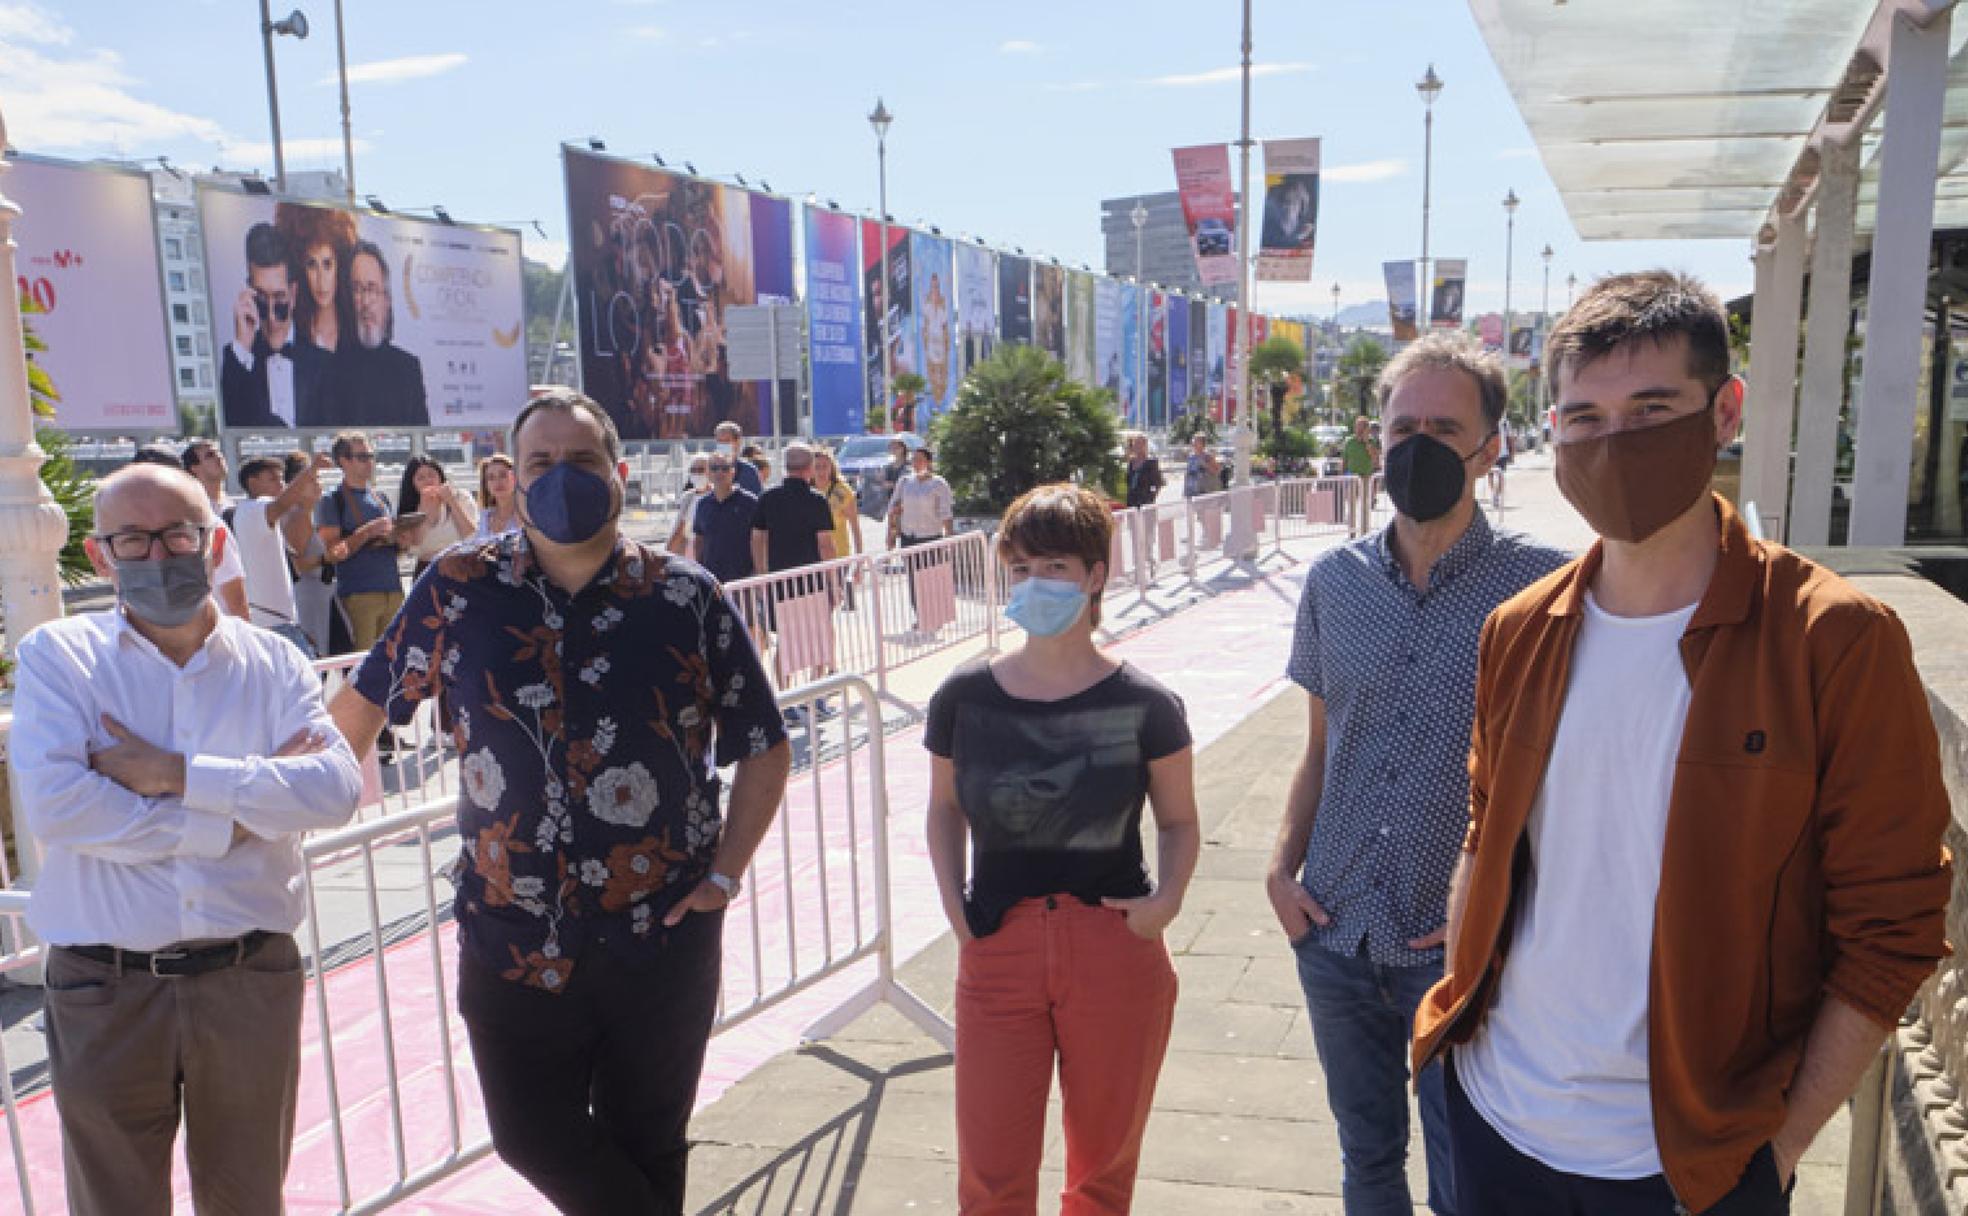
{"x": 1559, "y": 1066}
{"x": 229, "y": 566}
{"x": 263, "y": 552}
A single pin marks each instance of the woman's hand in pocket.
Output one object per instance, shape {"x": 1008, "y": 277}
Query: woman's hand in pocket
{"x": 1147, "y": 915}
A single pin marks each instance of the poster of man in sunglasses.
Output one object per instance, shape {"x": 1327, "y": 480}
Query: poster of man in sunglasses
{"x": 266, "y": 378}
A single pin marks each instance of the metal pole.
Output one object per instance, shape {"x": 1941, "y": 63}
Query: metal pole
{"x": 348, "y": 139}
{"x": 1509, "y": 250}
{"x": 1138, "y": 406}
{"x": 1241, "y": 434}
{"x": 560, "y": 308}
{"x": 888, "y": 370}
{"x": 1424, "y": 290}
{"x": 273, "y": 99}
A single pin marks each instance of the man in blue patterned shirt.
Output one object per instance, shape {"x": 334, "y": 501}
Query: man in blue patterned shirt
{"x": 595, "y": 685}
{"x": 1386, "y": 649}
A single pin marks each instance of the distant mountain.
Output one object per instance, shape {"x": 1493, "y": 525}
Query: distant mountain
{"x": 1374, "y": 313}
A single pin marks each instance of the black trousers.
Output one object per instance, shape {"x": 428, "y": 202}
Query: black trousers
{"x": 589, "y": 1091}
{"x": 1493, "y": 1179}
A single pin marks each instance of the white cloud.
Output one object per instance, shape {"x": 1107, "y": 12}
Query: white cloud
{"x": 1018, "y": 46}
{"x": 324, "y": 148}
{"x": 83, "y": 102}
{"x": 1228, "y": 75}
{"x": 1367, "y": 171}
{"x": 27, "y": 23}
{"x": 409, "y": 67}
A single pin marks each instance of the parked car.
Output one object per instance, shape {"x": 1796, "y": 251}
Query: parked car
{"x": 863, "y": 461}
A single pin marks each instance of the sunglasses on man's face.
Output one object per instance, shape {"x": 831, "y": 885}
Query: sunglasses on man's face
{"x": 721, "y": 468}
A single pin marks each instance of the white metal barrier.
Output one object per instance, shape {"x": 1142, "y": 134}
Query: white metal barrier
{"x": 816, "y": 903}
{"x": 1191, "y": 533}
{"x": 874, "y": 612}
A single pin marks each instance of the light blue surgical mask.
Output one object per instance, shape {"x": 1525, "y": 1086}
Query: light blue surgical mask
{"x": 1046, "y": 607}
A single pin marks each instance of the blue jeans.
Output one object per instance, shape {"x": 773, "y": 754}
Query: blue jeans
{"x": 1362, "y": 1017}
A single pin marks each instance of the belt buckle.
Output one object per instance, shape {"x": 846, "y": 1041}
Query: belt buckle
{"x": 168, "y": 956}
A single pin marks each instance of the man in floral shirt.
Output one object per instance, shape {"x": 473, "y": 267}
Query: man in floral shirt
{"x": 595, "y": 683}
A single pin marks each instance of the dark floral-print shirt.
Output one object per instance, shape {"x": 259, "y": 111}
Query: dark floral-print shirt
{"x": 590, "y": 727}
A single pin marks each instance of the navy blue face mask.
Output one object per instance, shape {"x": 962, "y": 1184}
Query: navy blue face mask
{"x": 569, "y": 505}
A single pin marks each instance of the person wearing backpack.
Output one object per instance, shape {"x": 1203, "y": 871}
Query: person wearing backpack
{"x": 358, "y": 530}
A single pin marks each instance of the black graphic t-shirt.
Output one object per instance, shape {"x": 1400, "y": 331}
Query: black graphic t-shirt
{"x": 1052, "y": 790}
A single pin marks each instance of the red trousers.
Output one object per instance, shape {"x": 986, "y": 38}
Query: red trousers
{"x": 1059, "y": 982}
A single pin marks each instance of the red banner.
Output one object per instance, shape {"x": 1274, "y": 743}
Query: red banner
{"x": 1209, "y": 208}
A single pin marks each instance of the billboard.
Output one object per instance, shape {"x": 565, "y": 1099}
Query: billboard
{"x": 1445, "y": 295}
{"x": 1401, "y": 303}
{"x": 1178, "y": 355}
{"x": 1132, "y": 303}
{"x": 1014, "y": 298}
{"x": 1157, "y": 338}
{"x": 88, "y": 258}
{"x": 1080, "y": 320}
{"x": 1198, "y": 348}
{"x": 657, "y": 259}
{"x": 929, "y": 258}
{"x": 331, "y": 318}
{"x": 1218, "y": 363}
{"x": 1209, "y": 209}
{"x": 1291, "y": 210}
{"x": 833, "y": 311}
{"x": 977, "y": 305}
{"x": 1107, "y": 335}
{"x": 901, "y": 306}
{"x": 1049, "y": 309}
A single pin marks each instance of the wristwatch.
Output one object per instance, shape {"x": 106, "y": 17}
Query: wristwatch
{"x": 725, "y": 883}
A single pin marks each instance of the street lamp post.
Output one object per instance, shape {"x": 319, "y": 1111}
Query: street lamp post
{"x": 1242, "y": 541}
{"x": 1335, "y": 312}
{"x": 1544, "y": 327}
{"x": 1430, "y": 87}
{"x": 295, "y": 24}
{"x": 879, "y": 118}
{"x": 348, "y": 136}
{"x": 1571, "y": 282}
{"x": 1140, "y": 217}
{"x": 1510, "y": 202}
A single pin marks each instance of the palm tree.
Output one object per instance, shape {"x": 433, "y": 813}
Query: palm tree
{"x": 1274, "y": 361}
{"x": 1359, "y": 369}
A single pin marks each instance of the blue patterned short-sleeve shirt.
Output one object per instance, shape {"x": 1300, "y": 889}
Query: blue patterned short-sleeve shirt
{"x": 1396, "y": 668}
{"x": 589, "y": 728}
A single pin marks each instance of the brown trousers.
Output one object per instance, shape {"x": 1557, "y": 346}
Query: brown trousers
{"x": 131, "y": 1052}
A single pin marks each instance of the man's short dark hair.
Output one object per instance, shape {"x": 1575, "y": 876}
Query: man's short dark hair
{"x": 345, "y": 443}
{"x": 1456, "y": 352}
{"x": 194, "y": 453}
{"x": 254, "y": 468}
{"x": 567, "y": 400}
{"x": 1647, "y": 305}
{"x": 925, "y": 453}
{"x": 294, "y": 465}
{"x": 158, "y": 454}
{"x": 374, "y": 251}
{"x": 266, "y": 247}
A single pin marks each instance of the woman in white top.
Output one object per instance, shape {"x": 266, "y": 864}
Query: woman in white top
{"x": 447, "y": 510}
{"x": 497, "y": 490}
{"x": 695, "y": 485}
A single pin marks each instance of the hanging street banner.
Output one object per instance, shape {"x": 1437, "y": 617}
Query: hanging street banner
{"x": 1080, "y": 364}
{"x": 1107, "y": 335}
{"x": 901, "y": 308}
{"x": 977, "y": 306}
{"x": 1178, "y": 355}
{"x": 833, "y": 309}
{"x": 1445, "y": 296}
{"x": 1291, "y": 210}
{"x": 1049, "y": 309}
{"x": 1401, "y": 302}
{"x": 930, "y": 265}
{"x": 1158, "y": 404}
{"x": 87, "y": 258}
{"x": 1209, "y": 209}
{"x": 1133, "y": 300}
{"x": 1014, "y": 299}
{"x": 330, "y": 318}
{"x": 657, "y": 258}
{"x": 1199, "y": 348}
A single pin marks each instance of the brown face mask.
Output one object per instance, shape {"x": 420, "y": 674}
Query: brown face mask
{"x": 1630, "y": 484}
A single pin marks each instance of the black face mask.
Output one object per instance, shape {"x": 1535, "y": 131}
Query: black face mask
{"x": 1425, "y": 477}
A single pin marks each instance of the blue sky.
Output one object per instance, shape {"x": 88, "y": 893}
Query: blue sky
{"x": 1012, "y": 120}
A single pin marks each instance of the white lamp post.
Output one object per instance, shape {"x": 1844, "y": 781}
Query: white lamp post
{"x": 879, "y": 118}
{"x": 1430, "y": 87}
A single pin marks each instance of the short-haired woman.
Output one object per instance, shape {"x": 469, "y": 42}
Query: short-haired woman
{"x": 1042, "y": 759}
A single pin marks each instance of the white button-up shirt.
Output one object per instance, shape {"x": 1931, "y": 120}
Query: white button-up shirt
{"x": 143, "y": 873}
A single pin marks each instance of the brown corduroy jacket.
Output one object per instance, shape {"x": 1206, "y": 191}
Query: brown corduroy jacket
{"x": 1803, "y": 856}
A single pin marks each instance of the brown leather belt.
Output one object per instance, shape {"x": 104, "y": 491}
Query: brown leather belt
{"x": 176, "y": 962}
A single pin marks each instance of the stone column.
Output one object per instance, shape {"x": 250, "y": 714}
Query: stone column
{"x": 1829, "y": 322}
{"x": 1767, "y": 413}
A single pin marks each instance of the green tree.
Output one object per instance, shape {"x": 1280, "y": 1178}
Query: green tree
{"x": 1193, "y": 421}
{"x": 1273, "y": 363}
{"x": 1020, "y": 422}
{"x": 907, "y": 388}
{"x": 1359, "y": 371}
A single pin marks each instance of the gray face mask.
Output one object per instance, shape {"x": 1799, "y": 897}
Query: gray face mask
{"x": 166, "y": 592}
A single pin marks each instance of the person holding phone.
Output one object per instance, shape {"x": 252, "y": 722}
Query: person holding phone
{"x": 266, "y": 379}
{"x": 360, "y": 533}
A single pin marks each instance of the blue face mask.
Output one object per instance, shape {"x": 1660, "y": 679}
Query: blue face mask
{"x": 568, "y": 504}
{"x": 1046, "y": 607}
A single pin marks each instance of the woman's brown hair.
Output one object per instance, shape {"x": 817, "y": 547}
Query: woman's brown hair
{"x": 1059, "y": 520}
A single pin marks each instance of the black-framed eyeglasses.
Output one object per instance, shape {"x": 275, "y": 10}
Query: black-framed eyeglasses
{"x": 135, "y": 544}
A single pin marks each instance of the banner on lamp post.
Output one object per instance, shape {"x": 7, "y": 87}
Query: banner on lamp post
{"x": 1401, "y": 301}
{"x": 1445, "y": 293}
{"x": 1291, "y": 210}
{"x": 1209, "y": 210}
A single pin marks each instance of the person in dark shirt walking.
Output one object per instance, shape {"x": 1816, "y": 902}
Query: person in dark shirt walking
{"x": 793, "y": 527}
{"x": 722, "y": 527}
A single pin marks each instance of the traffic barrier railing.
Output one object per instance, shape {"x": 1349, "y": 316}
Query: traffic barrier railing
{"x": 383, "y": 1108}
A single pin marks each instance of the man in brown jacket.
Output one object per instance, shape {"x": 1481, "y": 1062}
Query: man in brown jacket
{"x": 1703, "y": 876}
